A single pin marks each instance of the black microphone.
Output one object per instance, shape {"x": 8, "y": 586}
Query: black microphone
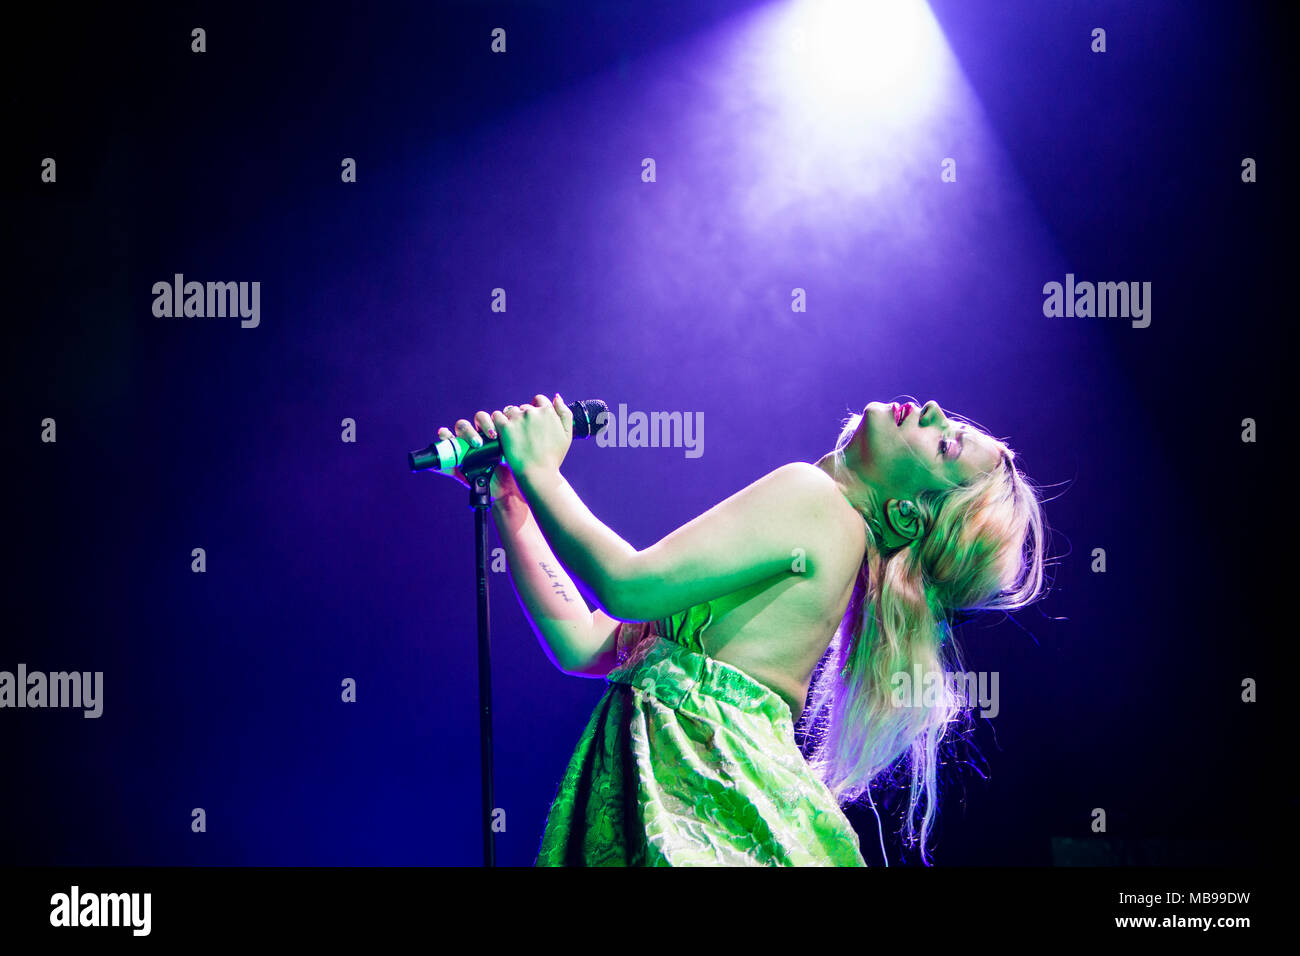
{"x": 447, "y": 454}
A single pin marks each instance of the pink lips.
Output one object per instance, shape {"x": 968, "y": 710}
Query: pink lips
{"x": 901, "y": 412}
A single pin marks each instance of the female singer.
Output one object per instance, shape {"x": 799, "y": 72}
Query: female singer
{"x": 711, "y": 639}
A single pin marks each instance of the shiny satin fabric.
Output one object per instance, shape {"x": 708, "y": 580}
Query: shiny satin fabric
{"x": 689, "y": 761}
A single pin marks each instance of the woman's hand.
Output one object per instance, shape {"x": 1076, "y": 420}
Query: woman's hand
{"x": 503, "y": 481}
{"x": 535, "y": 438}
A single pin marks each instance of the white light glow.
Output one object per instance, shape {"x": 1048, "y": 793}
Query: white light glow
{"x": 839, "y": 109}
{"x": 881, "y": 57}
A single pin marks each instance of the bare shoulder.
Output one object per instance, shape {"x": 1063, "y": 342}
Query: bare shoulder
{"x": 838, "y": 524}
{"x": 747, "y": 538}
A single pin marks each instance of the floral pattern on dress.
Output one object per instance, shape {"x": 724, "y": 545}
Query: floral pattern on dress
{"x": 689, "y": 761}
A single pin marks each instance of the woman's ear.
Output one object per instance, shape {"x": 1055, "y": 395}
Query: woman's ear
{"x": 902, "y": 522}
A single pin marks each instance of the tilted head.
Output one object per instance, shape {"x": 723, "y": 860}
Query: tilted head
{"x": 932, "y": 483}
{"x": 952, "y": 525}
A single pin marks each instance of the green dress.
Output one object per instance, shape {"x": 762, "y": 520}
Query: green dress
{"x": 689, "y": 761}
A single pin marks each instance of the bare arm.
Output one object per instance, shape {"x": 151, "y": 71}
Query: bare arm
{"x": 782, "y": 522}
{"x": 577, "y": 641}
{"x": 789, "y": 521}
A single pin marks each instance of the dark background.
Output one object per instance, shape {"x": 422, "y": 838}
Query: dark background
{"x": 328, "y": 560}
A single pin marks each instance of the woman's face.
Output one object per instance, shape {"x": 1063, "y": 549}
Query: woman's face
{"x": 904, "y": 449}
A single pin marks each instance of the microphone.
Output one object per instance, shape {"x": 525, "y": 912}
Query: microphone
{"x": 447, "y": 454}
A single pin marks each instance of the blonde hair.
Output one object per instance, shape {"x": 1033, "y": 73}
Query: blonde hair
{"x": 981, "y": 549}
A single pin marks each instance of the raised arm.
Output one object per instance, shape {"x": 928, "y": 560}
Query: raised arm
{"x": 783, "y": 523}
{"x": 577, "y": 641}
{"x": 786, "y": 522}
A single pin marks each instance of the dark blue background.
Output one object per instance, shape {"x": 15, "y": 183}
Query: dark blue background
{"x": 327, "y": 560}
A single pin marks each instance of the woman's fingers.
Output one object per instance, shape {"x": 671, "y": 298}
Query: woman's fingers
{"x": 467, "y": 431}
{"x": 511, "y": 412}
{"x": 488, "y": 423}
{"x": 483, "y": 421}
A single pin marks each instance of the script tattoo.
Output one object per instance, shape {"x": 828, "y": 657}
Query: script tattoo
{"x": 556, "y": 584}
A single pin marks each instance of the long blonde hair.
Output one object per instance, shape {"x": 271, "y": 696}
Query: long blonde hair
{"x": 982, "y": 549}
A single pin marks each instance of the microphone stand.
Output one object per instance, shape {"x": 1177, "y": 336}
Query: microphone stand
{"x": 589, "y": 417}
{"x": 480, "y": 499}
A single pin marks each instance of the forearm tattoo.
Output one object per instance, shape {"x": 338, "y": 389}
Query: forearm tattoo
{"x": 556, "y": 584}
